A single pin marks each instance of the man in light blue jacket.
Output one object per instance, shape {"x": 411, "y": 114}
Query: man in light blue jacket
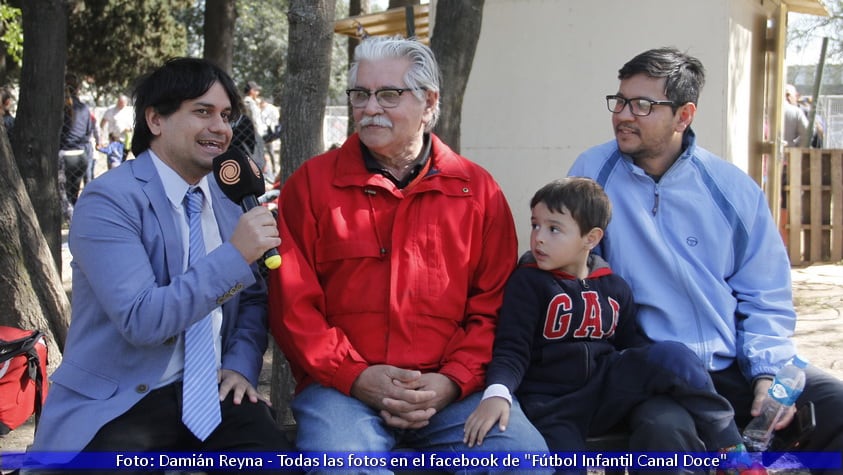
{"x": 140, "y": 282}
{"x": 694, "y": 237}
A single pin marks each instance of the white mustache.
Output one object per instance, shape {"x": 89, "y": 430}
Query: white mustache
{"x": 377, "y": 120}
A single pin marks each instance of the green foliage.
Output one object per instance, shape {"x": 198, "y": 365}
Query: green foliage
{"x": 12, "y": 28}
{"x": 192, "y": 19}
{"x": 260, "y": 45}
{"x": 805, "y": 31}
{"x": 116, "y": 41}
{"x": 339, "y": 62}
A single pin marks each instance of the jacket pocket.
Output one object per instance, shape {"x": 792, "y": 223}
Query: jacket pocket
{"x": 84, "y": 382}
{"x": 341, "y": 250}
{"x": 354, "y": 277}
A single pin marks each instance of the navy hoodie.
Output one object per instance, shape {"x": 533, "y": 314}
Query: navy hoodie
{"x": 554, "y": 328}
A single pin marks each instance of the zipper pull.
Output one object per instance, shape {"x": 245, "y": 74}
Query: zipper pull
{"x": 656, "y": 202}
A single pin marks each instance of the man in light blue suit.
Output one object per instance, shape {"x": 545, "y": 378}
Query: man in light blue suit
{"x": 136, "y": 291}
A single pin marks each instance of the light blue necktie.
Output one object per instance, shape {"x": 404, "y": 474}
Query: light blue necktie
{"x": 201, "y": 404}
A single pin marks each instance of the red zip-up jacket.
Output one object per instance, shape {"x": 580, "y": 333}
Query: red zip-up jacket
{"x": 373, "y": 274}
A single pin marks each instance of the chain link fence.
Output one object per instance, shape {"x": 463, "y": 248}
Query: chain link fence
{"x": 830, "y": 111}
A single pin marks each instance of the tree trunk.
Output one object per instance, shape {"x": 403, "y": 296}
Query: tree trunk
{"x": 220, "y": 16}
{"x": 305, "y": 90}
{"x": 39, "y": 116}
{"x": 303, "y": 100}
{"x": 454, "y": 40}
{"x": 31, "y": 294}
{"x": 355, "y": 7}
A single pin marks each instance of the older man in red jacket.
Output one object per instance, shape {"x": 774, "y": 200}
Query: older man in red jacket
{"x": 396, "y": 250}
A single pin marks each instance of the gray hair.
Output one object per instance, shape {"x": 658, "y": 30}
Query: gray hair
{"x": 423, "y": 74}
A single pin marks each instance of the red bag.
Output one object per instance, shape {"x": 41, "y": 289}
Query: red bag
{"x": 23, "y": 376}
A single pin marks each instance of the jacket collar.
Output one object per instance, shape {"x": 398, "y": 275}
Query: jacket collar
{"x": 597, "y": 266}
{"x": 351, "y": 170}
{"x": 689, "y": 147}
{"x": 421, "y": 165}
{"x": 145, "y": 172}
{"x": 689, "y": 144}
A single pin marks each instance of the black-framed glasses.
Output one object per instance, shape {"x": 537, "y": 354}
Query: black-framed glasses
{"x": 386, "y": 97}
{"x": 640, "y": 106}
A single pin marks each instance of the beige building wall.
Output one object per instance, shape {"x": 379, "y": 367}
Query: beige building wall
{"x": 535, "y": 98}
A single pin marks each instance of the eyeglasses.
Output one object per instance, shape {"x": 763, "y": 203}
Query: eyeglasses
{"x": 386, "y": 97}
{"x": 640, "y": 106}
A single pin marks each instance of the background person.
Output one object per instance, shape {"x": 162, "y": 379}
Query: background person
{"x": 119, "y": 119}
{"x": 806, "y": 103}
{"x": 720, "y": 279}
{"x": 795, "y": 128}
{"x": 396, "y": 250}
{"x": 89, "y": 150}
{"x": 271, "y": 116}
{"x": 8, "y": 103}
{"x": 114, "y": 151}
{"x": 74, "y": 146}
{"x": 252, "y": 111}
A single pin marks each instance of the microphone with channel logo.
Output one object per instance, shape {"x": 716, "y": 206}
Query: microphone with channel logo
{"x": 242, "y": 182}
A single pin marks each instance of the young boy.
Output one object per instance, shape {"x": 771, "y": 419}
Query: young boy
{"x": 113, "y": 151}
{"x": 568, "y": 344}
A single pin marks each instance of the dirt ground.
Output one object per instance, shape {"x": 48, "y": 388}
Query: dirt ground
{"x": 818, "y": 297}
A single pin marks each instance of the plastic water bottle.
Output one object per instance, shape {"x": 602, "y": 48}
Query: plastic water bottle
{"x": 787, "y": 386}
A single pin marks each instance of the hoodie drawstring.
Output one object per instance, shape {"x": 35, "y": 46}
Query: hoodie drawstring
{"x": 370, "y": 193}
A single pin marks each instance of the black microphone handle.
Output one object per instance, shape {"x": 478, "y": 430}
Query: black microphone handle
{"x": 248, "y": 202}
{"x": 270, "y": 258}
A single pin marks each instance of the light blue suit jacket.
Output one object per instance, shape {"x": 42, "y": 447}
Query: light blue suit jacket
{"x": 132, "y": 300}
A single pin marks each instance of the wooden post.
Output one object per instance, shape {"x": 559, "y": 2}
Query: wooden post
{"x": 814, "y": 205}
{"x": 794, "y": 204}
{"x": 815, "y": 189}
{"x": 836, "y": 205}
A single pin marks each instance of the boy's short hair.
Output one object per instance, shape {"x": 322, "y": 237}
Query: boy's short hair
{"x": 583, "y": 197}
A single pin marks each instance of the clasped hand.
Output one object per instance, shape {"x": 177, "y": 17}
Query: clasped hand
{"x": 406, "y": 399}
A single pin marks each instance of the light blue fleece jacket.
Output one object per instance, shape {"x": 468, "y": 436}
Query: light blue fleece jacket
{"x": 702, "y": 254}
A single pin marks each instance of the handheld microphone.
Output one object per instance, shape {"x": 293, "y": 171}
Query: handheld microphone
{"x": 242, "y": 182}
